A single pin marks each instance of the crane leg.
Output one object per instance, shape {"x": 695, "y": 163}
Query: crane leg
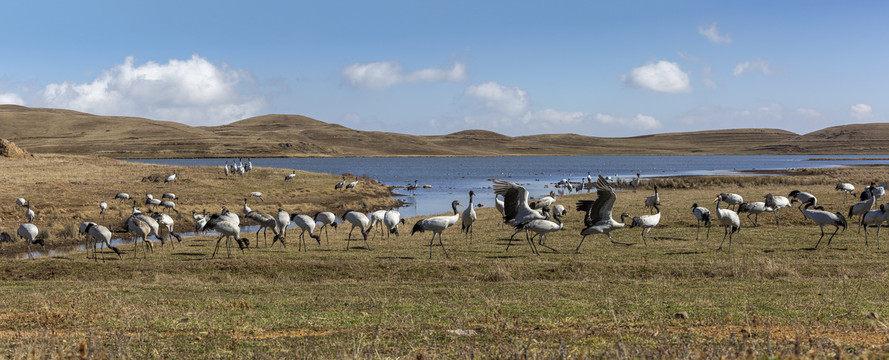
{"x": 819, "y": 239}
{"x": 831, "y": 236}
{"x": 349, "y": 238}
{"x": 430, "y": 245}
{"x": 530, "y": 242}
{"x": 577, "y": 250}
{"x": 442, "y": 246}
{"x": 216, "y": 248}
{"x": 708, "y": 232}
{"x": 723, "y": 240}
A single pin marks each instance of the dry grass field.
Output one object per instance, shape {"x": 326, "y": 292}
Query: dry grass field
{"x": 773, "y": 296}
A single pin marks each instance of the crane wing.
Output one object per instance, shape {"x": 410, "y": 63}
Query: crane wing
{"x": 514, "y": 195}
{"x": 600, "y": 209}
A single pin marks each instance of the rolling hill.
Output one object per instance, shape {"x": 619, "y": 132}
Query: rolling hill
{"x": 40, "y": 130}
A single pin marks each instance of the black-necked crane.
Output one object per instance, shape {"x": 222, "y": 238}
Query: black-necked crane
{"x": 597, "y": 218}
{"x": 516, "y": 208}
{"x": 21, "y": 202}
{"x": 754, "y": 208}
{"x": 102, "y": 207}
{"x": 290, "y": 176}
{"x": 729, "y": 221}
{"x": 352, "y": 184}
{"x": 171, "y": 178}
{"x": 29, "y": 214}
{"x": 544, "y": 201}
{"x": 823, "y": 218}
{"x": 635, "y": 182}
{"x": 257, "y": 194}
{"x": 777, "y": 202}
{"x": 140, "y": 229}
{"x": 246, "y": 208}
{"x": 325, "y": 218}
{"x": 82, "y": 230}
{"x": 559, "y": 209}
{"x": 848, "y": 188}
{"x": 122, "y": 197}
{"x": 703, "y": 215}
{"x": 29, "y": 233}
{"x": 653, "y": 200}
{"x": 875, "y": 191}
{"x": 305, "y": 223}
{"x": 358, "y": 220}
{"x": 228, "y": 230}
{"x": 732, "y": 200}
{"x": 375, "y": 218}
{"x": 391, "y": 220}
{"x": 166, "y": 222}
{"x": 804, "y": 197}
{"x": 862, "y": 207}
{"x": 647, "y": 222}
{"x": 340, "y": 184}
{"x": 282, "y": 221}
{"x": 170, "y": 196}
{"x": 541, "y": 228}
{"x": 469, "y": 217}
{"x": 266, "y": 222}
{"x": 200, "y": 220}
{"x": 169, "y": 205}
{"x": 225, "y": 168}
{"x": 102, "y": 235}
{"x": 874, "y": 218}
{"x": 412, "y": 187}
{"x": 498, "y": 204}
{"x": 437, "y": 224}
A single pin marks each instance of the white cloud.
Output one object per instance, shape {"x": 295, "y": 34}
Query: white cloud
{"x": 560, "y": 117}
{"x": 710, "y": 84}
{"x": 193, "y": 91}
{"x": 663, "y": 76}
{"x": 687, "y": 56}
{"x": 861, "y": 111}
{"x": 384, "y": 74}
{"x": 712, "y": 34}
{"x": 641, "y": 122}
{"x": 812, "y": 113}
{"x": 506, "y": 100}
{"x": 11, "y": 98}
{"x": 751, "y": 66}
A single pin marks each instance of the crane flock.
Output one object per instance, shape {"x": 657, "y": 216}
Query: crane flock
{"x": 538, "y": 217}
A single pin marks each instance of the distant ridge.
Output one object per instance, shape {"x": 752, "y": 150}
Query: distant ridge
{"x": 44, "y": 130}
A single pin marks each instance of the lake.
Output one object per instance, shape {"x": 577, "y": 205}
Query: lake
{"x": 451, "y": 178}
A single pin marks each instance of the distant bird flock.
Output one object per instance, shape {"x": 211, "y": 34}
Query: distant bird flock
{"x": 537, "y": 218}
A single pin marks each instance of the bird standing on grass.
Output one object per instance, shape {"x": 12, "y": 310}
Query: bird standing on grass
{"x": 29, "y": 233}
{"x": 653, "y": 200}
{"x": 703, "y": 215}
{"x": 597, "y": 218}
{"x": 777, "y": 202}
{"x": 438, "y": 224}
{"x": 305, "y": 223}
{"x": 325, "y": 218}
{"x": 469, "y": 218}
{"x": 352, "y": 184}
{"x": 358, "y": 220}
{"x": 729, "y": 221}
{"x": 848, "y": 188}
{"x": 647, "y": 222}
{"x": 822, "y": 218}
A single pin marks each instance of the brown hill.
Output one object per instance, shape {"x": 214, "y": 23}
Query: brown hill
{"x": 65, "y": 131}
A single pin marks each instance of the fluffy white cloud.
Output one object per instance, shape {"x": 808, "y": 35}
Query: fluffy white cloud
{"x": 641, "y": 122}
{"x": 663, "y": 76}
{"x": 812, "y": 113}
{"x": 861, "y": 111}
{"x": 384, "y": 74}
{"x": 751, "y": 66}
{"x": 11, "y": 98}
{"x": 506, "y": 100}
{"x": 560, "y": 117}
{"x": 193, "y": 91}
{"x": 712, "y": 34}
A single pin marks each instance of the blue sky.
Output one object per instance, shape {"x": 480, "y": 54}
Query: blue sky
{"x": 617, "y": 68}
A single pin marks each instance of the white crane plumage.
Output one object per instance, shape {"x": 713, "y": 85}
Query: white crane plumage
{"x": 340, "y": 184}
{"x": 29, "y": 233}
{"x": 862, "y": 207}
{"x": 437, "y": 224}
{"x": 777, "y": 202}
{"x": 391, "y": 220}
{"x": 703, "y": 215}
{"x": 99, "y": 234}
{"x": 848, "y": 188}
{"x": 804, "y": 197}
{"x": 257, "y": 194}
{"x": 166, "y": 222}
{"x": 305, "y": 223}
{"x": 647, "y": 222}
{"x": 559, "y": 209}
{"x": 635, "y": 182}
{"x": 29, "y": 213}
{"x": 358, "y": 220}
{"x": 375, "y": 218}
{"x": 541, "y": 228}
{"x": 21, "y": 202}
{"x": 874, "y": 218}
{"x": 325, "y": 218}
{"x": 246, "y": 209}
{"x": 102, "y": 207}
{"x": 266, "y": 222}
{"x": 169, "y": 205}
{"x": 290, "y": 176}
{"x": 754, "y": 208}
{"x": 653, "y": 200}
{"x": 352, "y": 184}
{"x": 228, "y": 230}
{"x": 282, "y": 221}
{"x": 597, "y": 218}
{"x": 733, "y": 200}
{"x": 122, "y": 197}
{"x": 823, "y": 218}
{"x": 516, "y": 208}
{"x": 729, "y": 221}
{"x": 171, "y": 178}
{"x": 469, "y": 217}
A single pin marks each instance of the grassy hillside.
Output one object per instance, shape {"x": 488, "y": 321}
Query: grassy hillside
{"x": 64, "y": 131}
